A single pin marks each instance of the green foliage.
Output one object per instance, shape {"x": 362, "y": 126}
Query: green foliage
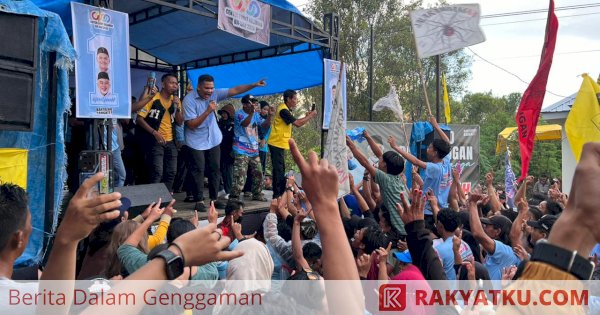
{"x": 493, "y": 114}
{"x": 394, "y": 56}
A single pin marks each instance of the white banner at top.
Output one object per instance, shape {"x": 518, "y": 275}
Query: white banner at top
{"x": 441, "y": 30}
{"x": 250, "y": 19}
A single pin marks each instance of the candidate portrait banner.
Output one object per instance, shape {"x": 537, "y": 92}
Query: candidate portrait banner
{"x": 332, "y": 72}
{"x": 102, "y": 77}
{"x": 250, "y": 19}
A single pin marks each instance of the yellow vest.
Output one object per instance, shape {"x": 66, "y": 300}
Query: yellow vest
{"x": 281, "y": 132}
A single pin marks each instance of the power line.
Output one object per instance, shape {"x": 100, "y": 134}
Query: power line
{"x": 514, "y": 75}
{"x": 561, "y": 53}
{"x": 540, "y": 19}
{"x": 571, "y": 7}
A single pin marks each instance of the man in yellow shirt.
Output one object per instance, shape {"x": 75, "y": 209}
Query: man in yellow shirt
{"x": 280, "y": 135}
{"x": 157, "y": 119}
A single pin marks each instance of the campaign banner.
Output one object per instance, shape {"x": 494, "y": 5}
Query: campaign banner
{"x": 464, "y": 140}
{"x": 332, "y": 72}
{"x": 250, "y": 19}
{"x": 102, "y": 78}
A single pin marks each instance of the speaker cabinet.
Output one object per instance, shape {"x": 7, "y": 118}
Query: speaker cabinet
{"x": 18, "y": 66}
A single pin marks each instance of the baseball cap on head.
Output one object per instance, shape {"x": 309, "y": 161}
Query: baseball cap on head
{"x": 248, "y": 98}
{"x": 545, "y": 223}
{"x": 499, "y": 222}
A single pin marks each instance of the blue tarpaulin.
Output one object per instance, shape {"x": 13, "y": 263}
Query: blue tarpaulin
{"x": 282, "y": 73}
{"x": 52, "y": 38}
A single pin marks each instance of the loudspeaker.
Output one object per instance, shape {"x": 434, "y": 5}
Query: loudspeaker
{"x": 422, "y": 146}
{"x": 18, "y": 66}
{"x": 140, "y": 196}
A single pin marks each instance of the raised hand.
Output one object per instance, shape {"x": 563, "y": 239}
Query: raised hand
{"x": 489, "y": 178}
{"x": 508, "y": 273}
{"x": 261, "y": 82}
{"x": 520, "y": 252}
{"x": 156, "y": 211}
{"x": 392, "y": 141}
{"x": 363, "y": 263}
{"x": 413, "y": 212}
{"x": 204, "y": 245}
{"x": 237, "y": 231}
{"x": 433, "y": 201}
{"x": 319, "y": 179}
{"x": 383, "y": 253}
{"x": 169, "y": 210}
{"x": 213, "y": 215}
{"x": 475, "y": 198}
{"x": 195, "y": 220}
{"x": 86, "y": 210}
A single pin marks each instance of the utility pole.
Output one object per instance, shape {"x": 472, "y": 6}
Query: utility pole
{"x": 371, "y": 74}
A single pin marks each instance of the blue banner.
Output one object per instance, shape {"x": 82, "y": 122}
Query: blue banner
{"x": 510, "y": 182}
{"x": 102, "y": 78}
{"x": 332, "y": 72}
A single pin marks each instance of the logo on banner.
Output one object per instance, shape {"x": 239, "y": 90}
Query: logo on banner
{"x": 100, "y": 20}
{"x": 245, "y": 14}
{"x": 392, "y": 297}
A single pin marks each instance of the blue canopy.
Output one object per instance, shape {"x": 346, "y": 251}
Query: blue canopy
{"x": 177, "y": 37}
{"x": 296, "y": 71}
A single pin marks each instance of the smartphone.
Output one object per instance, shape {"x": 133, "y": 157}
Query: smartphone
{"x": 314, "y": 107}
{"x": 92, "y": 162}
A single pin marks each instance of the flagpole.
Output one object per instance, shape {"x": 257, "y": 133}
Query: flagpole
{"x": 422, "y": 79}
{"x": 437, "y": 87}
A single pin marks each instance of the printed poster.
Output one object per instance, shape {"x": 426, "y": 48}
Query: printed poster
{"x": 102, "y": 78}
{"x": 250, "y": 19}
{"x": 330, "y": 85}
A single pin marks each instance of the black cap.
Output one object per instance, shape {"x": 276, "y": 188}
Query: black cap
{"x": 499, "y": 222}
{"x": 545, "y": 223}
{"x": 248, "y": 99}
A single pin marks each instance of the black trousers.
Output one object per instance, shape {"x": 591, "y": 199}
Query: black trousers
{"x": 210, "y": 159}
{"x": 278, "y": 162}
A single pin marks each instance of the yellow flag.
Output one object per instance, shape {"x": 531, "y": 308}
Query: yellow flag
{"x": 13, "y": 166}
{"x": 446, "y": 100}
{"x": 583, "y": 122}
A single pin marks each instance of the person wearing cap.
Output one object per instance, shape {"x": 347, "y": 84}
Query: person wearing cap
{"x": 493, "y": 235}
{"x": 245, "y": 149}
{"x": 280, "y": 136}
{"x": 202, "y": 134}
{"x": 102, "y": 59}
{"x": 103, "y": 84}
{"x": 226, "y": 125}
{"x": 541, "y": 227}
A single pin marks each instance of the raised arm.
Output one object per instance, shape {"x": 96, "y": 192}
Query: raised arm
{"x": 137, "y": 236}
{"x": 362, "y": 203}
{"x": 374, "y": 147}
{"x": 411, "y": 158}
{"x": 320, "y": 182}
{"x": 495, "y": 203}
{"x": 245, "y": 88}
{"x": 145, "y": 97}
{"x": 476, "y": 228}
{"x": 439, "y": 130}
{"x": 304, "y": 120}
{"x": 360, "y": 157}
{"x": 301, "y": 263}
{"x": 516, "y": 231}
{"x": 366, "y": 193}
{"x": 416, "y": 178}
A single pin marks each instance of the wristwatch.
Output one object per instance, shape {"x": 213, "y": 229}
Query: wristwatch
{"x": 563, "y": 259}
{"x": 174, "y": 264}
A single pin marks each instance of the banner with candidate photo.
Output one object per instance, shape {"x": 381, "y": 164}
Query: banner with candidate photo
{"x": 250, "y": 19}
{"x": 102, "y": 78}
{"x": 332, "y": 72}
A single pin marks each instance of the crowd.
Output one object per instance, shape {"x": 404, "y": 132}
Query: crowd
{"x": 182, "y": 143}
{"x": 433, "y": 231}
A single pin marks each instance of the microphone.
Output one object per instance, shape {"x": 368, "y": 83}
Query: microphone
{"x": 151, "y": 80}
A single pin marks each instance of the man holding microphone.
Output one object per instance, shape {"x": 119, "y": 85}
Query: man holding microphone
{"x": 202, "y": 134}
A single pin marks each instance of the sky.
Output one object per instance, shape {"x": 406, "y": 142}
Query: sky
{"x": 516, "y": 47}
